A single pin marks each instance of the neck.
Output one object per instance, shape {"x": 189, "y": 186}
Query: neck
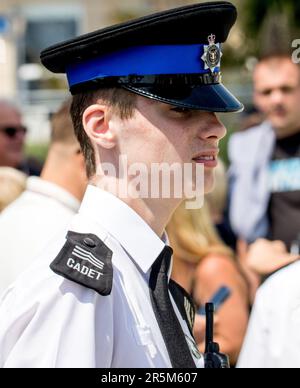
{"x": 155, "y": 212}
{"x": 283, "y": 133}
{"x": 64, "y": 175}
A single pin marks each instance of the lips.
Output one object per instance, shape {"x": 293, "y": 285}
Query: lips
{"x": 209, "y": 158}
{"x": 205, "y": 158}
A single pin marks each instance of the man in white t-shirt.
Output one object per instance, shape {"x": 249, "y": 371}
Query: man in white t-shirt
{"x": 47, "y": 205}
{"x": 273, "y": 339}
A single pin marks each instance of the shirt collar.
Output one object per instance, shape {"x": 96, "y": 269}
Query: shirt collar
{"x": 124, "y": 224}
{"x": 51, "y": 190}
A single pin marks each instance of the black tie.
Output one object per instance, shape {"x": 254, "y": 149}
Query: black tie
{"x": 170, "y": 327}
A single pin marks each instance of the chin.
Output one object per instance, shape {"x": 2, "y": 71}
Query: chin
{"x": 209, "y": 181}
{"x": 15, "y": 158}
{"x": 280, "y": 125}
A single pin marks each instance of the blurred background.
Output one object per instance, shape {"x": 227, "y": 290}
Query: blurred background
{"x": 28, "y": 26}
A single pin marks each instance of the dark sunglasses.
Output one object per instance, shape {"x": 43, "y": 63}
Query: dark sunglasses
{"x": 11, "y": 132}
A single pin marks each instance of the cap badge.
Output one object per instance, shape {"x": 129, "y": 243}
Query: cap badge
{"x": 212, "y": 54}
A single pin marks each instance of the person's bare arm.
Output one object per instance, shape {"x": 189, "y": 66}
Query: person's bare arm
{"x": 260, "y": 259}
{"x": 265, "y": 257}
{"x": 212, "y": 273}
{"x": 253, "y": 278}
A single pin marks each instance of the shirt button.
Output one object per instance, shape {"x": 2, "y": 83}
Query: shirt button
{"x": 89, "y": 242}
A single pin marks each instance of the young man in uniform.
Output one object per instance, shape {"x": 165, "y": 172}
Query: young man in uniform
{"x": 147, "y": 89}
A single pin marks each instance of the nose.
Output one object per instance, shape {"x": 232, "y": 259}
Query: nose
{"x": 277, "y": 97}
{"x": 213, "y": 129}
{"x": 19, "y": 139}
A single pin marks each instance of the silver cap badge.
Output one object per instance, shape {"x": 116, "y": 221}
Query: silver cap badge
{"x": 212, "y": 54}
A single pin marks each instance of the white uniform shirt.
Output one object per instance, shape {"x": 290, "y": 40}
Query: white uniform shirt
{"x": 273, "y": 338}
{"x": 30, "y": 223}
{"x": 48, "y": 321}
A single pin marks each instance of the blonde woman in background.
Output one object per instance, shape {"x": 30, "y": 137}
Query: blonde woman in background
{"x": 203, "y": 264}
{"x": 12, "y": 185}
{"x": 217, "y": 203}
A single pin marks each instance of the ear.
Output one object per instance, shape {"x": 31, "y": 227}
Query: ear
{"x": 96, "y": 125}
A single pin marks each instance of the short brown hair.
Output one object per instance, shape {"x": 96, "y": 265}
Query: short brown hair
{"x": 121, "y": 101}
{"x": 274, "y": 59}
{"x": 62, "y": 130}
{"x": 280, "y": 56}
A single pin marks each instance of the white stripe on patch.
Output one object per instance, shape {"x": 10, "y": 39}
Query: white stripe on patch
{"x": 88, "y": 257}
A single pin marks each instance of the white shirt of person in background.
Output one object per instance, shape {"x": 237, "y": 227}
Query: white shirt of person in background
{"x": 273, "y": 338}
{"x": 44, "y": 210}
{"x": 28, "y": 225}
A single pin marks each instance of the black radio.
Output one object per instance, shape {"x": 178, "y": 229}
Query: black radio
{"x": 213, "y": 359}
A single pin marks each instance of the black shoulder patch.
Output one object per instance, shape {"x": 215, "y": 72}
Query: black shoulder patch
{"x": 85, "y": 260}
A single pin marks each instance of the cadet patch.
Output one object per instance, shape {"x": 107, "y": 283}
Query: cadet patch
{"x": 86, "y": 260}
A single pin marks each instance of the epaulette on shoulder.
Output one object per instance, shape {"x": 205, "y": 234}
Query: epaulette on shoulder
{"x": 85, "y": 260}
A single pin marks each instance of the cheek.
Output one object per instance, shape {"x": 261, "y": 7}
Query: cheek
{"x": 294, "y": 103}
{"x": 263, "y": 103}
{"x": 178, "y": 145}
{"x": 4, "y": 144}
{"x": 175, "y": 151}
{"x": 148, "y": 143}
{"x": 142, "y": 143}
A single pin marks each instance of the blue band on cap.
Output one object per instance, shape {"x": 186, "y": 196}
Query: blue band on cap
{"x": 141, "y": 60}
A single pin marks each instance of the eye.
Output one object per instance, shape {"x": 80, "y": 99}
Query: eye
{"x": 266, "y": 92}
{"x": 181, "y": 110}
{"x": 287, "y": 89}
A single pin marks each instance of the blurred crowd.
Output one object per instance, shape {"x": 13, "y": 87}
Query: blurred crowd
{"x": 240, "y": 250}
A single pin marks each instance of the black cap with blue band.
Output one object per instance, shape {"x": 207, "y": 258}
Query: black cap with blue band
{"x": 179, "y": 63}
